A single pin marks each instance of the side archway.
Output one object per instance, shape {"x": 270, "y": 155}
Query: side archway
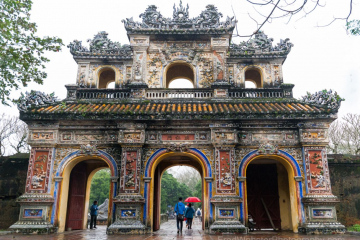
{"x": 294, "y": 178}
{"x": 96, "y": 161}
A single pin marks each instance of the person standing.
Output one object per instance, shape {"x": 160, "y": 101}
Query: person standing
{"x": 179, "y": 209}
{"x": 189, "y": 214}
{"x": 93, "y": 214}
{"x": 198, "y": 213}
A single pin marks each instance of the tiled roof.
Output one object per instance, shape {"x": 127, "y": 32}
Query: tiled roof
{"x": 234, "y": 109}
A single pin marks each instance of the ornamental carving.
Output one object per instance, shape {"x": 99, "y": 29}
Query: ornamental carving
{"x": 152, "y": 19}
{"x": 34, "y": 99}
{"x": 100, "y": 44}
{"x": 267, "y": 148}
{"x": 177, "y": 148}
{"x": 88, "y": 149}
{"x": 324, "y": 98}
{"x": 261, "y": 44}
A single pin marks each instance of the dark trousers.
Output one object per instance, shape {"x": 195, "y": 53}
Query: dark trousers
{"x": 189, "y": 222}
{"x": 93, "y": 221}
{"x": 179, "y": 224}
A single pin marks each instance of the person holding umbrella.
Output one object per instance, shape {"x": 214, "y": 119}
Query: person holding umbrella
{"x": 189, "y": 214}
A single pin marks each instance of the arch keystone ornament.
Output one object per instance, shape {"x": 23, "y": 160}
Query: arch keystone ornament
{"x": 140, "y": 128}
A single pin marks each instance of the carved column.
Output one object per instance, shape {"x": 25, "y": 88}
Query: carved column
{"x": 129, "y": 202}
{"x": 140, "y": 45}
{"x": 319, "y": 202}
{"x": 225, "y": 201}
{"x": 37, "y": 200}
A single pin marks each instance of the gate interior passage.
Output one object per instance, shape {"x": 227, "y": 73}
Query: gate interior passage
{"x": 77, "y": 191}
{"x": 262, "y": 188}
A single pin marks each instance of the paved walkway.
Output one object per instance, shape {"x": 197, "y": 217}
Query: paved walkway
{"x": 168, "y": 232}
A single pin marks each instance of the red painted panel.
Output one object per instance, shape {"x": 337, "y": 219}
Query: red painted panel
{"x": 76, "y": 203}
{"x": 178, "y": 137}
{"x": 262, "y": 183}
{"x": 316, "y": 169}
{"x": 131, "y": 173}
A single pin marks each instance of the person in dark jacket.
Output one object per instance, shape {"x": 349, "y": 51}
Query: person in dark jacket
{"x": 189, "y": 214}
{"x": 179, "y": 209}
{"x": 93, "y": 214}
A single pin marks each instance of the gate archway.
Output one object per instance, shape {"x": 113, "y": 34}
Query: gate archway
{"x": 157, "y": 164}
{"x": 79, "y": 161}
{"x": 293, "y": 174}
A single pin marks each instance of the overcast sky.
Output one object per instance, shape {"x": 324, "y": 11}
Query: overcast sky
{"x": 322, "y": 58}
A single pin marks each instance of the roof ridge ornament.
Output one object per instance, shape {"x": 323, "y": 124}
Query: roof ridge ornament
{"x": 154, "y": 22}
{"x": 324, "y": 98}
{"x": 34, "y": 98}
{"x": 261, "y": 44}
{"x": 102, "y": 45}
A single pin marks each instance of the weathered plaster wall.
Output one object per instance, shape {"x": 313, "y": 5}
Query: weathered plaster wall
{"x": 345, "y": 182}
{"x": 13, "y": 172}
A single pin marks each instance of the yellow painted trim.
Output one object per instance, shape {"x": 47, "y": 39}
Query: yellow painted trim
{"x": 292, "y": 188}
{"x": 64, "y": 188}
{"x": 151, "y": 190}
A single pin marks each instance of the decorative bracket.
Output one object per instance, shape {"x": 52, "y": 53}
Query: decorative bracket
{"x": 208, "y": 179}
{"x": 147, "y": 179}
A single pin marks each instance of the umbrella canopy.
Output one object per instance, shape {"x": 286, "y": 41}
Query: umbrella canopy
{"x": 192, "y": 199}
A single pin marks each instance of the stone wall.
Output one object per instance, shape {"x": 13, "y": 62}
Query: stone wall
{"x": 345, "y": 182}
{"x": 13, "y": 171}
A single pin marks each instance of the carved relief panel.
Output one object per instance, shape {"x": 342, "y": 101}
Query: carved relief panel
{"x": 314, "y": 135}
{"x": 285, "y": 137}
{"x": 174, "y": 137}
{"x": 131, "y": 168}
{"x": 84, "y": 137}
{"x": 225, "y": 170}
{"x": 223, "y": 136}
{"x": 42, "y": 136}
{"x": 39, "y": 170}
{"x": 131, "y": 136}
{"x": 317, "y": 170}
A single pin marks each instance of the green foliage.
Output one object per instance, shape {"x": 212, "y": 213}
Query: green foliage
{"x": 171, "y": 190}
{"x": 354, "y": 228}
{"x": 198, "y": 193}
{"x": 353, "y": 27}
{"x": 21, "y": 51}
{"x": 100, "y": 186}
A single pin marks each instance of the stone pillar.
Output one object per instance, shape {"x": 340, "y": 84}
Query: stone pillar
{"x": 219, "y": 46}
{"x": 37, "y": 200}
{"x": 129, "y": 202}
{"x": 225, "y": 200}
{"x": 319, "y": 202}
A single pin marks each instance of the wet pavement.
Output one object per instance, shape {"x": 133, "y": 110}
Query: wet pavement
{"x": 168, "y": 231}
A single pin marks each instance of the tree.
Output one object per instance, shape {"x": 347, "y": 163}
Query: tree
{"x": 171, "y": 190}
{"x": 13, "y": 135}
{"x": 21, "y": 51}
{"x": 187, "y": 175}
{"x": 269, "y": 10}
{"x": 344, "y": 135}
{"x": 100, "y": 186}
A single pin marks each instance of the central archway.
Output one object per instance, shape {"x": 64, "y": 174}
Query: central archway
{"x": 179, "y": 70}
{"x": 155, "y": 167}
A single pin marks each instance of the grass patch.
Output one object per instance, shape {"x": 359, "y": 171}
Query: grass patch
{"x": 354, "y": 228}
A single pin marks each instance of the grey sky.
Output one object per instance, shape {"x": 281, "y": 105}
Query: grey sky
{"x": 321, "y": 58}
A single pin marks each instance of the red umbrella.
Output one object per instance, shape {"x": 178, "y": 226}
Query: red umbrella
{"x": 192, "y": 199}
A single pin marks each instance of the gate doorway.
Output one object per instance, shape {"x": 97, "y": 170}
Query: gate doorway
{"x": 268, "y": 195}
{"x": 78, "y": 197}
{"x": 182, "y": 159}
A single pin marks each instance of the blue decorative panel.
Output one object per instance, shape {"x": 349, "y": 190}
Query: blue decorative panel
{"x": 33, "y": 213}
{"x": 226, "y": 213}
{"x": 130, "y": 213}
{"x": 322, "y": 213}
